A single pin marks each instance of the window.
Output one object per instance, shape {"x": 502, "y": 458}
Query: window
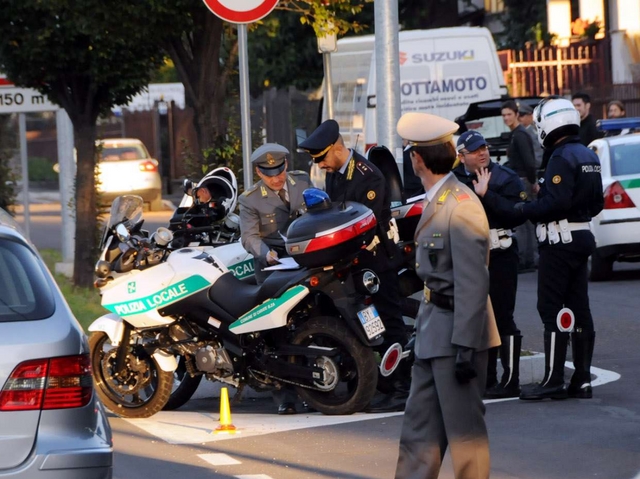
{"x": 625, "y": 159}
{"x": 24, "y": 291}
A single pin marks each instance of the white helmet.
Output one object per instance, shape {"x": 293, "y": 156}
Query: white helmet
{"x": 223, "y": 185}
{"x": 555, "y": 117}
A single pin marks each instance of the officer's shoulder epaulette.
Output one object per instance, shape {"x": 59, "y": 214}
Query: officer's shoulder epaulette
{"x": 250, "y": 190}
{"x": 460, "y": 195}
{"x": 506, "y": 169}
{"x": 362, "y": 167}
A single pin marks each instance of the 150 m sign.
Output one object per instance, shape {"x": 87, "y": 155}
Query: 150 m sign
{"x": 23, "y": 100}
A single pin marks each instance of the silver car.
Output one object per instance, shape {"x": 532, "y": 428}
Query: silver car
{"x": 51, "y": 422}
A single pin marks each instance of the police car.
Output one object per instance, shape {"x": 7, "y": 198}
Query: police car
{"x": 617, "y": 227}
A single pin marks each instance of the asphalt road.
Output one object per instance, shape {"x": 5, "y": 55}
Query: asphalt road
{"x": 572, "y": 439}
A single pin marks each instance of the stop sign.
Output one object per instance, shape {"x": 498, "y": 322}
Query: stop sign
{"x": 241, "y": 11}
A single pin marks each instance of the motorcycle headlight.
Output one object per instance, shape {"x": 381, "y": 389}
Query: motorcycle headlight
{"x": 370, "y": 281}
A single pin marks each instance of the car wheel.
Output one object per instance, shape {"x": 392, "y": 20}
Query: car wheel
{"x": 601, "y": 267}
{"x": 156, "y": 203}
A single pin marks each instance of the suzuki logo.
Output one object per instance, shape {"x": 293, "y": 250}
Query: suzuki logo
{"x": 403, "y": 58}
{"x": 131, "y": 287}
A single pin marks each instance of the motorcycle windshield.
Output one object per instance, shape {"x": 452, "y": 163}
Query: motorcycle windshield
{"x": 126, "y": 209}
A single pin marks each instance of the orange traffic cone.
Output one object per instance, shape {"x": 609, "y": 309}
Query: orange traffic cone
{"x": 225, "y": 414}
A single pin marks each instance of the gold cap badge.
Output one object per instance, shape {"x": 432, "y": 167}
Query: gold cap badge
{"x": 270, "y": 159}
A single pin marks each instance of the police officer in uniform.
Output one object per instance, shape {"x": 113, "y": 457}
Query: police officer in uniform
{"x": 570, "y": 195}
{"x": 266, "y": 210}
{"x": 455, "y": 326}
{"x": 499, "y": 189}
{"x": 350, "y": 177}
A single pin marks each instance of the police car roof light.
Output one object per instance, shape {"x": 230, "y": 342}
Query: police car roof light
{"x": 618, "y": 123}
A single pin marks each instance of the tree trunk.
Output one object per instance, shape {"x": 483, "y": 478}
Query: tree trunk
{"x": 86, "y": 203}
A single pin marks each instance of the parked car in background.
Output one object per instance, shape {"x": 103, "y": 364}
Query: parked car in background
{"x": 125, "y": 167}
{"x": 617, "y": 227}
{"x": 52, "y": 424}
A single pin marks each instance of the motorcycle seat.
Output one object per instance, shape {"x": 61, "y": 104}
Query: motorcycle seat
{"x": 237, "y": 297}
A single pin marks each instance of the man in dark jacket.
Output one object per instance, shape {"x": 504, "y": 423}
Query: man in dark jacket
{"x": 350, "y": 177}
{"x": 499, "y": 189}
{"x": 522, "y": 160}
{"x": 588, "y": 130}
{"x": 570, "y": 195}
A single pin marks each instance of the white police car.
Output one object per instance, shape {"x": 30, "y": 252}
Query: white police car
{"x": 617, "y": 227}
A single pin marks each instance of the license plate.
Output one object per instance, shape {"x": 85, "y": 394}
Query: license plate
{"x": 371, "y": 322}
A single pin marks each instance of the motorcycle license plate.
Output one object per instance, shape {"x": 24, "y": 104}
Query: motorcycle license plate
{"x": 371, "y": 322}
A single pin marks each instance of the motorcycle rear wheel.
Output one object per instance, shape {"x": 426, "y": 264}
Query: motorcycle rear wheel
{"x": 350, "y": 377}
{"x": 184, "y": 386}
{"x": 144, "y": 390}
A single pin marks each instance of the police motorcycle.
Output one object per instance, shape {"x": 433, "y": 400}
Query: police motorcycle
{"x": 212, "y": 224}
{"x": 309, "y": 327}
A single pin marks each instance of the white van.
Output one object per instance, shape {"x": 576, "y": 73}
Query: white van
{"x": 442, "y": 71}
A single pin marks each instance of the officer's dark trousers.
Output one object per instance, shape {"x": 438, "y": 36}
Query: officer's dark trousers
{"x": 563, "y": 281}
{"x": 503, "y": 284}
{"x": 388, "y": 304}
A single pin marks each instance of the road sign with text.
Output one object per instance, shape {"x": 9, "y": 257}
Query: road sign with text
{"x": 241, "y": 11}
{"x": 22, "y": 100}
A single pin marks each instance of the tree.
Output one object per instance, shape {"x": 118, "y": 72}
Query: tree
{"x": 521, "y": 20}
{"x": 206, "y": 53}
{"x": 87, "y": 58}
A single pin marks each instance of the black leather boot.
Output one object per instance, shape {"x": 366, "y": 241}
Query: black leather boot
{"x": 555, "y": 354}
{"x": 582, "y": 343}
{"x": 509, "y": 386}
{"x": 396, "y": 399}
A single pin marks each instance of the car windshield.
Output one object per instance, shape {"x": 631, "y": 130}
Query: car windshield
{"x": 24, "y": 291}
{"x": 489, "y": 127}
{"x": 625, "y": 159}
{"x": 122, "y": 152}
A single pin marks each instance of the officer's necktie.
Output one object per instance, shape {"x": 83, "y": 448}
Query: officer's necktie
{"x": 282, "y": 193}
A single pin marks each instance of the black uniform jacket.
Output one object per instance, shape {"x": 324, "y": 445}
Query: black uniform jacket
{"x": 572, "y": 186}
{"x": 363, "y": 182}
{"x": 505, "y": 190}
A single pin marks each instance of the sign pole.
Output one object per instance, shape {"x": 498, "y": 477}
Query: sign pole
{"x": 245, "y": 112}
{"x": 67, "y": 177}
{"x": 22, "y": 128}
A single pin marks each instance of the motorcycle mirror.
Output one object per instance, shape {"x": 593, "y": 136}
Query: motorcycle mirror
{"x": 123, "y": 233}
{"x": 187, "y": 186}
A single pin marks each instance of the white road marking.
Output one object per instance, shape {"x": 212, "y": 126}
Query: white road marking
{"x": 219, "y": 459}
{"x": 186, "y": 427}
{"x": 254, "y": 476}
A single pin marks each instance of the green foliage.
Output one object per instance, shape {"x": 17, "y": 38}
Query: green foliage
{"x": 166, "y": 73}
{"x": 7, "y": 176}
{"x": 84, "y": 302}
{"x": 523, "y": 22}
{"x": 41, "y": 169}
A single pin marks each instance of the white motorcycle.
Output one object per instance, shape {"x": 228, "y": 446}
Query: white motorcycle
{"x": 309, "y": 327}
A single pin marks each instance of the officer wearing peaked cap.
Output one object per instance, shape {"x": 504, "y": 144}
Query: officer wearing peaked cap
{"x": 350, "y": 177}
{"x": 499, "y": 189}
{"x": 266, "y": 210}
{"x": 455, "y": 325}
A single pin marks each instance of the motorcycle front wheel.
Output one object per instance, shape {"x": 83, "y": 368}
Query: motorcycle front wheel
{"x": 140, "y": 391}
{"x": 350, "y": 377}
{"x": 184, "y": 386}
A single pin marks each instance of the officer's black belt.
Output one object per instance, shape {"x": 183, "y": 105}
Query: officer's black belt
{"x": 443, "y": 301}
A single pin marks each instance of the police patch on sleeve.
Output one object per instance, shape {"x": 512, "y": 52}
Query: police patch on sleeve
{"x": 556, "y": 179}
{"x": 523, "y": 195}
{"x": 371, "y": 195}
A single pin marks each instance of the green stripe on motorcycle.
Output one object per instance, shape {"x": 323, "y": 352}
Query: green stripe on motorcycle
{"x": 635, "y": 183}
{"x": 267, "y": 307}
{"x": 162, "y": 298}
{"x": 243, "y": 269}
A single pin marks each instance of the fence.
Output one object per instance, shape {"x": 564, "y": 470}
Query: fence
{"x": 557, "y": 70}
